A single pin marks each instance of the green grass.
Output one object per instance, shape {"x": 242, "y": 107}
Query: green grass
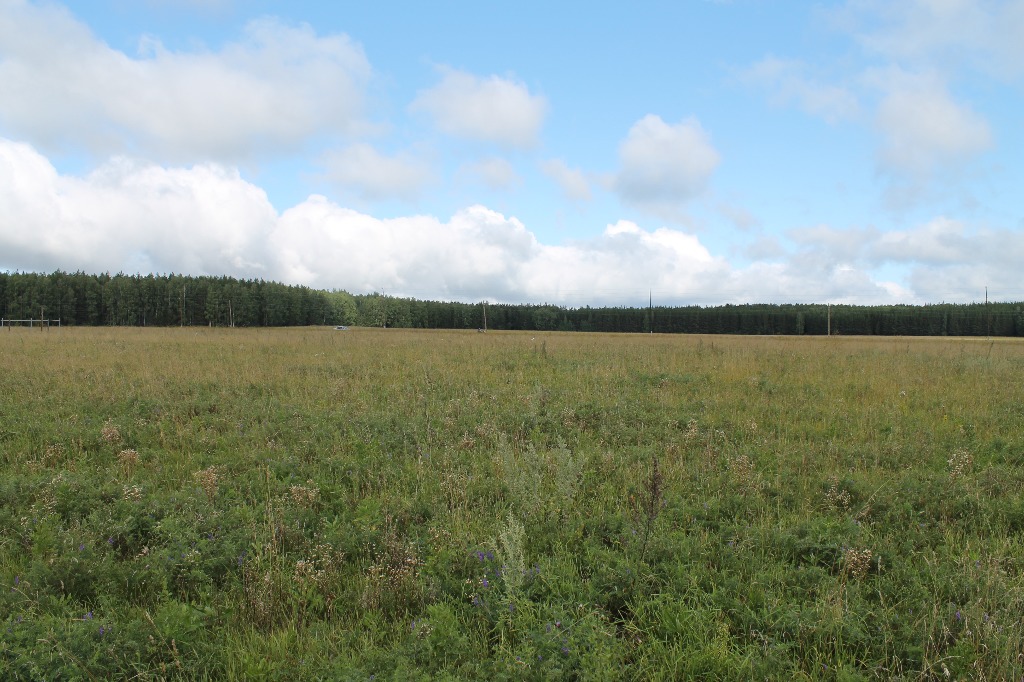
{"x": 311, "y": 504}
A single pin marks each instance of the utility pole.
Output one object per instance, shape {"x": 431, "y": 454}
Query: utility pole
{"x": 650, "y": 308}
{"x": 485, "y": 315}
{"x": 183, "y": 287}
{"x": 830, "y": 319}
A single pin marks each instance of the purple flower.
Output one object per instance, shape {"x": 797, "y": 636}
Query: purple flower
{"x": 103, "y": 631}
{"x": 958, "y": 616}
{"x": 81, "y": 547}
{"x": 88, "y": 616}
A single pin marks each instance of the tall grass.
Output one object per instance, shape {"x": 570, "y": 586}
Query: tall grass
{"x": 312, "y": 504}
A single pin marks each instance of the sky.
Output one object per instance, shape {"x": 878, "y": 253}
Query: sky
{"x": 577, "y": 153}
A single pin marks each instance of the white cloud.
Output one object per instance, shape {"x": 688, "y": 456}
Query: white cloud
{"x": 954, "y": 34}
{"x": 492, "y": 109}
{"x": 206, "y": 219}
{"x": 572, "y": 182}
{"x": 272, "y": 89}
{"x": 494, "y": 172}
{"x": 924, "y": 129}
{"x": 787, "y": 82}
{"x": 203, "y": 220}
{"x": 945, "y": 242}
{"x": 363, "y": 171}
{"x": 740, "y": 217}
{"x": 662, "y": 166}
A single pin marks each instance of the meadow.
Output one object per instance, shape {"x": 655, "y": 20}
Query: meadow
{"x": 304, "y": 504}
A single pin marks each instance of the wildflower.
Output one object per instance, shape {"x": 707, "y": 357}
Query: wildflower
{"x": 110, "y": 433}
{"x": 959, "y": 463}
{"x": 87, "y": 616}
{"x": 858, "y": 561}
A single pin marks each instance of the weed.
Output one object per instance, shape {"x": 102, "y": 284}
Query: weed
{"x": 505, "y": 517}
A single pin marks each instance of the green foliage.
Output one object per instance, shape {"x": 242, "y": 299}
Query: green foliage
{"x": 304, "y": 504}
{"x": 173, "y": 300}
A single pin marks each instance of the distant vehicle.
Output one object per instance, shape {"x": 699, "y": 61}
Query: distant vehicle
{"x": 341, "y": 328}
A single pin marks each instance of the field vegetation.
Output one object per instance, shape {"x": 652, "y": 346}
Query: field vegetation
{"x": 381, "y": 504}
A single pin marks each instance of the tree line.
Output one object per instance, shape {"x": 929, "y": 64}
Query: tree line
{"x": 173, "y": 300}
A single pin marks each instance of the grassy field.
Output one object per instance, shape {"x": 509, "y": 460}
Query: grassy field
{"x": 383, "y": 504}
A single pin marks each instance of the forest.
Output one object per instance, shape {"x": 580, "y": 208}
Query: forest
{"x": 81, "y": 299}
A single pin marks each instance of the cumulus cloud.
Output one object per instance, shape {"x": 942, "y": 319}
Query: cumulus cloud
{"x": 787, "y": 82}
{"x": 662, "y": 166}
{"x": 366, "y": 173}
{"x": 273, "y": 88}
{"x": 494, "y": 172}
{"x": 205, "y": 219}
{"x": 492, "y": 109}
{"x": 572, "y": 182}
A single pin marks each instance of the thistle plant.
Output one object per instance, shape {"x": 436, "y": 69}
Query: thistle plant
{"x": 651, "y": 502}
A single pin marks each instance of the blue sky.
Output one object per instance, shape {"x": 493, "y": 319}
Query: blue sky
{"x": 574, "y": 153}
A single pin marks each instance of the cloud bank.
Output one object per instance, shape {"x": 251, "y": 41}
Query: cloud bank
{"x": 206, "y": 219}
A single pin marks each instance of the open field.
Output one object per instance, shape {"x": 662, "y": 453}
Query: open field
{"x": 312, "y": 504}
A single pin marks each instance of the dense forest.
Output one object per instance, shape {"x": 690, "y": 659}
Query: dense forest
{"x": 173, "y": 300}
